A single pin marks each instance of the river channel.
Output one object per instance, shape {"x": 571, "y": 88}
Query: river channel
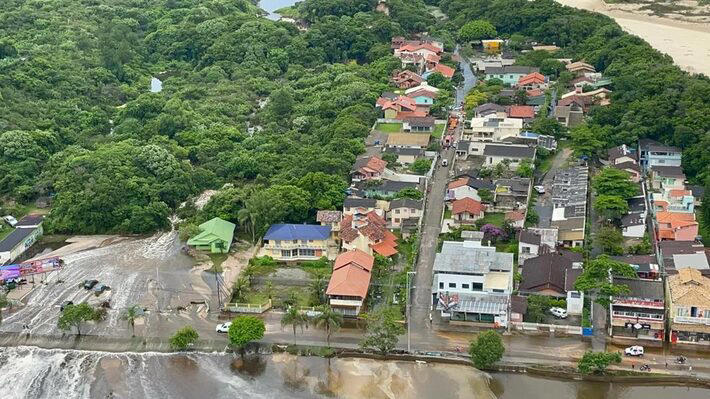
{"x": 30, "y": 372}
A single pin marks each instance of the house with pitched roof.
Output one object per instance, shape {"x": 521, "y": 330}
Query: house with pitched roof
{"x": 350, "y": 281}
{"x": 531, "y": 81}
{"x": 405, "y": 156}
{"x": 216, "y": 236}
{"x": 419, "y": 124}
{"x": 406, "y": 79}
{"x": 653, "y": 153}
{"x": 297, "y": 242}
{"x": 569, "y": 115}
{"x": 402, "y": 209}
{"x": 514, "y": 154}
{"x": 580, "y": 68}
{"x": 486, "y": 109}
{"x": 353, "y": 205}
{"x": 676, "y": 226}
{"x": 515, "y": 218}
{"x": 621, "y": 154}
{"x": 667, "y": 177}
{"x": 531, "y": 245}
{"x": 332, "y": 219}
{"x": 368, "y": 168}
{"x": 467, "y": 210}
{"x": 638, "y": 314}
{"x": 511, "y": 194}
{"x": 690, "y": 308}
{"x": 445, "y": 70}
{"x": 631, "y": 168}
{"x": 467, "y": 187}
{"x": 27, "y": 231}
{"x": 510, "y": 75}
{"x": 673, "y": 200}
{"x": 368, "y": 233}
{"x": 646, "y": 266}
{"x": 393, "y": 108}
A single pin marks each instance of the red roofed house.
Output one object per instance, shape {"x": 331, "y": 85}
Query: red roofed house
{"x": 368, "y": 168}
{"x": 445, "y": 70}
{"x": 421, "y": 49}
{"x": 534, "y": 80}
{"x": 368, "y": 233}
{"x": 401, "y": 104}
{"x": 521, "y": 112}
{"x": 349, "y": 282}
{"x": 406, "y": 79}
{"x": 516, "y": 218}
{"x": 677, "y": 226}
{"x": 467, "y": 210}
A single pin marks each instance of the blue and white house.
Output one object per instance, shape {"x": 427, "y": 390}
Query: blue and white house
{"x": 298, "y": 242}
{"x": 653, "y": 153}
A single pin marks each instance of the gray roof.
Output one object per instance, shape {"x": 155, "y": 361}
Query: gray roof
{"x": 518, "y": 185}
{"x": 512, "y": 151}
{"x": 528, "y": 237}
{"x": 572, "y": 211}
{"x": 405, "y": 151}
{"x": 30, "y": 221}
{"x": 698, "y": 191}
{"x": 632, "y": 219}
{"x": 669, "y": 171}
{"x": 518, "y": 304}
{"x": 359, "y": 202}
{"x": 479, "y": 184}
{"x": 516, "y": 69}
{"x": 489, "y": 108}
{"x": 636, "y": 204}
{"x": 392, "y": 186}
{"x": 627, "y": 165}
{"x": 486, "y": 304}
{"x": 463, "y": 145}
{"x": 406, "y": 203}
{"x": 696, "y": 261}
{"x": 425, "y": 121}
{"x": 14, "y": 239}
{"x": 470, "y": 257}
{"x": 643, "y": 289}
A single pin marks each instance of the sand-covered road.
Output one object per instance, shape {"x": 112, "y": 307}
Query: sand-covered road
{"x": 687, "y": 43}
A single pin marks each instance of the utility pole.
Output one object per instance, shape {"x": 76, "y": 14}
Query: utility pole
{"x": 409, "y": 314}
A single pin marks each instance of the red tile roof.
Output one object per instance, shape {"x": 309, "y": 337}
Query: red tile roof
{"x": 676, "y": 219}
{"x": 350, "y": 279}
{"x": 384, "y": 249}
{"x": 469, "y": 205}
{"x": 535, "y": 77}
{"x": 679, "y": 193}
{"x": 356, "y": 256}
{"x": 445, "y": 70}
{"x": 535, "y": 92}
{"x": 458, "y": 183}
{"x": 420, "y": 46}
{"x": 514, "y": 215}
{"x": 521, "y": 111}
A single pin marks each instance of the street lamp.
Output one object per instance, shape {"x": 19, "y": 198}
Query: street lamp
{"x": 409, "y": 314}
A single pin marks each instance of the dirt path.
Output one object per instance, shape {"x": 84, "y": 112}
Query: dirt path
{"x": 687, "y": 43}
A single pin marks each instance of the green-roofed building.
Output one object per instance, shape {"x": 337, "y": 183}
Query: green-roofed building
{"x": 216, "y": 236}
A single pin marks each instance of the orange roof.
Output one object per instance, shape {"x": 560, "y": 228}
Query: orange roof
{"x": 521, "y": 111}
{"x": 535, "y": 92}
{"x": 349, "y": 280}
{"x": 421, "y": 46}
{"x": 469, "y": 205}
{"x": 445, "y": 70}
{"x": 514, "y": 215}
{"x": 535, "y": 77}
{"x": 356, "y": 256}
{"x": 376, "y": 164}
{"x": 433, "y": 58}
{"x": 410, "y": 114}
{"x": 458, "y": 183}
{"x": 665, "y": 233}
{"x": 384, "y": 248}
{"x": 670, "y": 217}
{"x": 679, "y": 193}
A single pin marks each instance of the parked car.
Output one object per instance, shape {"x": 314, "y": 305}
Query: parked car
{"x": 540, "y": 189}
{"x": 89, "y": 284}
{"x": 559, "y": 313}
{"x": 635, "y": 350}
{"x": 223, "y": 328}
{"x": 64, "y": 305}
{"x": 16, "y": 281}
{"x": 10, "y": 220}
{"x": 99, "y": 288}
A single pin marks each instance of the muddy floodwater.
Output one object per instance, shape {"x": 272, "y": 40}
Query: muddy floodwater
{"x": 30, "y": 372}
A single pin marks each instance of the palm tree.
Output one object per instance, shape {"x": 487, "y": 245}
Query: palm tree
{"x": 330, "y": 320}
{"x": 248, "y": 220}
{"x": 318, "y": 288}
{"x": 294, "y": 318}
{"x": 239, "y": 288}
{"x": 130, "y": 315}
{"x": 3, "y": 302}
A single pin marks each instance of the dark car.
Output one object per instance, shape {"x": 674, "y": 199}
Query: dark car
{"x": 99, "y": 288}
{"x": 89, "y": 284}
{"x": 65, "y": 304}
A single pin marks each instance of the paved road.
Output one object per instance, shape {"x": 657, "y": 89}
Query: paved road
{"x": 543, "y": 207}
{"x": 469, "y": 79}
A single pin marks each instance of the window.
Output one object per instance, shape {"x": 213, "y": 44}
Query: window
{"x": 498, "y": 290}
{"x": 476, "y": 286}
{"x": 452, "y": 285}
{"x": 682, "y": 312}
{"x": 441, "y": 286}
{"x": 465, "y": 286}
{"x": 295, "y": 241}
{"x": 575, "y": 294}
{"x": 307, "y": 252}
{"x": 286, "y": 253}
{"x": 396, "y": 220}
{"x": 396, "y": 211}
{"x": 525, "y": 250}
{"x": 266, "y": 242}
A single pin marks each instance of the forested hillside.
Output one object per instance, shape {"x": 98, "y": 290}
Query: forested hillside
{"x": 79, "y": 123}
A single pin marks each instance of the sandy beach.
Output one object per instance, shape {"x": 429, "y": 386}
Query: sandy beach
{"x": 687, "y": 43}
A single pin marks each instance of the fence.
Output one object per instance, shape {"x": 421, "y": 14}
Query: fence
{"x": 537, "y": 327}
{"x": 247, "y": 307}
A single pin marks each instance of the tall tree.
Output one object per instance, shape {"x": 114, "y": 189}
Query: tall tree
{"x": 614, "y": 182}
{"x": 611, "y": 206}
{"x": 294, "y": 318}
{"x": 74, "y": 316}
{"x": 587, "y": 141}
{"x": 383, "y": 329}
{"x": 486, "y": 349}
{"x": 130, "y": 314}
{"x": 330, "y": 320}
{"x": 595, "y": 278}
{"x": 610, "y": 239}
{"x": 477, "y": 30}
{"x": 245, "y": 329}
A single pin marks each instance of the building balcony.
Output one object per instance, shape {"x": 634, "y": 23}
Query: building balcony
{"x": 296, "y": 246}
{"x": 692, "y": 320}
{"x": 345, "y": 303}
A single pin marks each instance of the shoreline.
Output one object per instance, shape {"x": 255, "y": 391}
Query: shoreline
{"x": 160, "y": 346}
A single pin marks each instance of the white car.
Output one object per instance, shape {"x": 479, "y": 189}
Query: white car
{"x": 223, "y": 328}
{"x": 540, "y": 189}
{"x": 10, "y": 220}
{"x": 635, "y": 350}
{"x": 559, "y": 313}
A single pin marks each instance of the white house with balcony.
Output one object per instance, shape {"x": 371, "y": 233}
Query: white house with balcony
{"x": 640, "y": 313}
{"x": 298, "y": 242}
{"x": 472, "y": 283}
{"x": 690, "y": 307}
{"x": 653, "y": 153}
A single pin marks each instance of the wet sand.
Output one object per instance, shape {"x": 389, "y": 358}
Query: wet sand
{"x": 687, "y": 43}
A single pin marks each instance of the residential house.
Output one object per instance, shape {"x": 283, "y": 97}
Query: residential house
{"x": 467, "y": 187}
{"x": 368, "y": 168}
{"x": 27, "y": 231}
{"x": 215, "y": 236}
{"x": 531, "y": 245}
{"x": 586, "y": 99}
{"x": 553, "y": 274}
{"x": 653, "y": 153}
{"x": 631, "y": 168}
{"x": 694, "y": 261}
{"x": 690, "y": 308}
{"x": 569, "y": 115}
{"x": 524, "y": 112}
{"x": 640, "y": 313}
{"x": 638, "y": 205}
{"x": 467, "y": 210}
{"x": 332, "y": 219}
{"x": 698, "y": 193}
{"x": 676, "y": 226}
{"x": 423, "y": 94}
{"x": 569, "y": 187}
{"x": 463, "y": 148}
{"x": 352, "y": 205}
{"x": 532, "y": 81}
{"x": 405, "y": 156}
{"x": 419, "y": 125}
{"x": 406, "y": 79}
{"x": 402, "y": 209}
{"x": 510, "y": 75}
{"x": 571, "y": 230}
{"x": 673, "y": 200}
{"x": 667, "y": 177}
{"x": 408, "y": 140}
{"x": 547, "y": 142}
{"x": 515, "y": 218}
{"x": 368, "y": 233}
{"x": 444, "y": 70}
{"x": 388, "y": 188}
{"x": 399, "y": 108}
{"x": 486, "y": 109}
{"x": 592, "y": 80}
{"x": 490, "y": 129}
{"x": 646, "y": 266}
{"x": 298, "y": 242}
{"x": 511, "y": 194}
{"x": 621, "y": 154}
{"x": 472, "y": 283}
{"x": 580, "y": 68}
{"x": 349, "y": 283}
{"x": 482, "y": 64}
{"x": 514, "y": 154}
{"x": 633, "y": 225}
{"x": 668, "y": 250}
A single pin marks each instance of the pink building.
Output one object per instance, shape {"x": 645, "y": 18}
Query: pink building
{"x": 677, "y": 226}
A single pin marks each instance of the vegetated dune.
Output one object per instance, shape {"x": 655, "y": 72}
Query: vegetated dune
{"x": 687, "y": 42}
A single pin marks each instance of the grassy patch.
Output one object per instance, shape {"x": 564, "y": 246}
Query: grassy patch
{"x": 438, "y": 130}
{"x": 261, "y": 266}
{"x": 389, "y": 127}
{"x": 217, "y": 260}
{"x": 447, "y": 214}
{"x": 317, "y": 268}
{"x": 5, "y": 231}
{"x": 494, "y": 218}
